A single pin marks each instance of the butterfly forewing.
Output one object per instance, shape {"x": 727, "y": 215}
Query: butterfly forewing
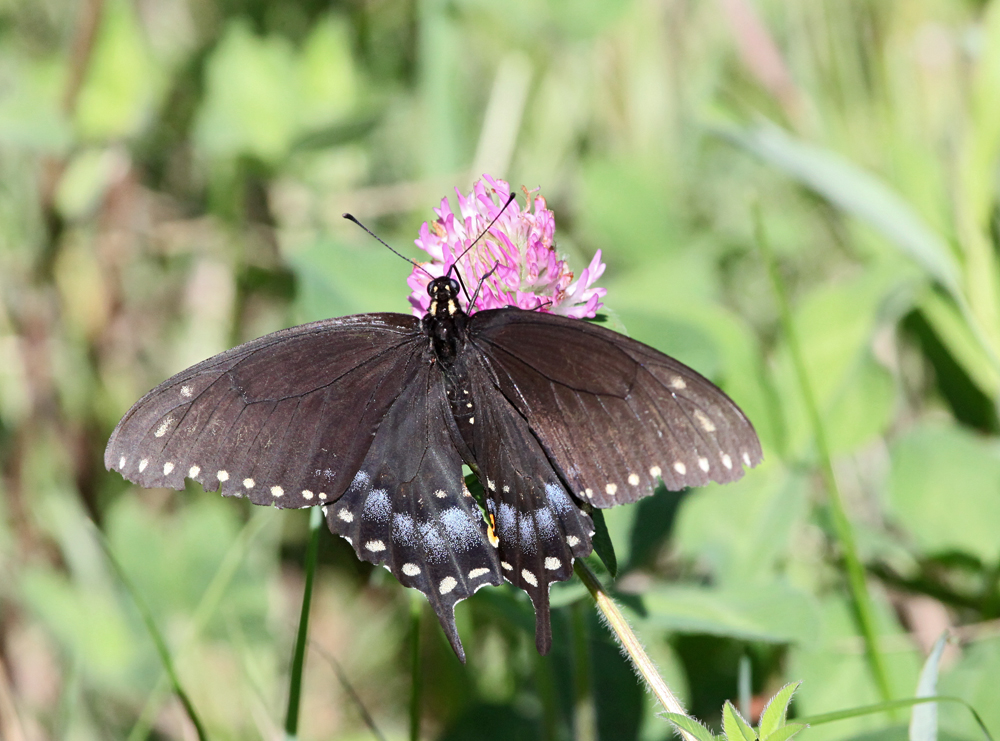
{"x": 615, "y": 415}
{"x": 284, "y": 420}
{"x": 408, "y": 507}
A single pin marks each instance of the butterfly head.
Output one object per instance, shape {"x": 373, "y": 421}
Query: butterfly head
{"x": 444, "y": 296}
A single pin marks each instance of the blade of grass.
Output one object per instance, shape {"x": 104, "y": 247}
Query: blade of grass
{"x": 299, "y": 658}
{"x": 815, "y": 720}
{"x": 744, "y": 686}
{"x": 630, "y": 643}
{"x": 866, "y": 197}
{"x": 349, "y": 689}
{"x": 416, "y": 675}
{"x": 924, "y": 719}
{"x": 855, "y": 572}
{"x": 584, "y": 720}
{"x": 154, "y": 632}
{"x": 206, "y": 608}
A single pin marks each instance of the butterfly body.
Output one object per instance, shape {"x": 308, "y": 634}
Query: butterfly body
{"x": 372, "y": 417}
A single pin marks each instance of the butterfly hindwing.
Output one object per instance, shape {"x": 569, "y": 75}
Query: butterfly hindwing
{"x": 540, "y": 529}
{"x": 408, "y": 508}
{"x": 615, "y": 415}
{"x": 284, "y": 420}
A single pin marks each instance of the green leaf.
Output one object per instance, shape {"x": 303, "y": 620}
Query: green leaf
{"x": 943, "y": 489}
{"x": 774, "y": 714}
{"x": 856, "y": 395}
{"x": 775, "y": 613}
{"x": 122, "y": 80}
{"x": 950, "y": 326}
{"x": 603, "y": 546}
{"x": 736, "y": 728}
{"x": 250, "y": 97}
{"x": 855, "y": 192}
{"x": 975, "y": 679}
{"x": 690, "y": 725}
{"x": 763, "y": 513}
{"x": 785, "y": 732}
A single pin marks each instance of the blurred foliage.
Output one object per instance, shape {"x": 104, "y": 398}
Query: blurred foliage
{"x": 172, "y": 174}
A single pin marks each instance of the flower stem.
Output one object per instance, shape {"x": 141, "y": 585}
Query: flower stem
{"x": 299, "y": 658}
{"x": 841, "y": 524}
{"x": 630, "y": 642}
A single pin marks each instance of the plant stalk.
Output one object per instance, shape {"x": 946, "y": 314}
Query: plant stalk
{"x": 628, "y": 640}
{"x": 299, "y": 658}
{"x": 841, "y": 524}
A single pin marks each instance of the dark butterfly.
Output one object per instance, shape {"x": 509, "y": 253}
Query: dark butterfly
{"x": 372, "y": 416}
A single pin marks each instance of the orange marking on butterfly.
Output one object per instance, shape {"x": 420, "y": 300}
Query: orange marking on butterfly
{"x": 494, "y": 540}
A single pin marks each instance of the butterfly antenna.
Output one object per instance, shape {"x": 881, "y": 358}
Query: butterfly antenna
{"x": 472, "y": 301}
{"x": 414, "y": 263}
{"x": 482, "y": 234}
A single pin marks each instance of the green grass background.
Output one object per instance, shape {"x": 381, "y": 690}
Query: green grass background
{"x": 172, "y": 174}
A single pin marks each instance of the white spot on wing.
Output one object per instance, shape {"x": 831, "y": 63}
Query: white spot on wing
{"x": 506, "y": 566}
{"x": 746, "y": 458}
{"x": 472, "y": 420}
{"x": 633, "y": 479}
{"x": 655, "y": 472}
{"x": 194, "y": 471}
{"x": 322, "y": 495}
{"x": 142, "y": 464}
{"x": 345, "y": 515}
{"x": 277, "y": 491}
{"x": 552, "y": 563}
{"x": 411, "y": 569}
{"x": 529, "y": 577}
{"x": 506, "y": 489}
{"x": 491, "y": 485}
{"x": 703, "y": 464}
{"x": 164, "y": 426}
{"x": 476, "y": 573}
{"x": 307, "y": 495}
{"x": 440, "y": 493}
{"x": 222, "y": 476}
{"x": 611, "y": 489}
{"x": 168, "y": 468}
{"x": 706, "y": 424}
{"x": 375, "y": 546}
{"x": 677, "y": 383}
{"x": 680, "y": 467}
{"x": 186, "y": 392}
{"x": 572, "y": 540}
{"x": 727, "y": 461}
{"x": 589, "y": 493}
{"x": 447, "y": 584}
{"x": 248, "y": 483}
{"x": 121, "y": 462}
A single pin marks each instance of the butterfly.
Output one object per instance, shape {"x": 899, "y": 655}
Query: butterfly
{"x": 372, "y": 416}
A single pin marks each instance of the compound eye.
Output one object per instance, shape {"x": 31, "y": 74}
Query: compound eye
{"x": 453, "y": 285}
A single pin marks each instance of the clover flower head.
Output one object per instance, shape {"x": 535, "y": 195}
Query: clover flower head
{"x": 515, "y": 262}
